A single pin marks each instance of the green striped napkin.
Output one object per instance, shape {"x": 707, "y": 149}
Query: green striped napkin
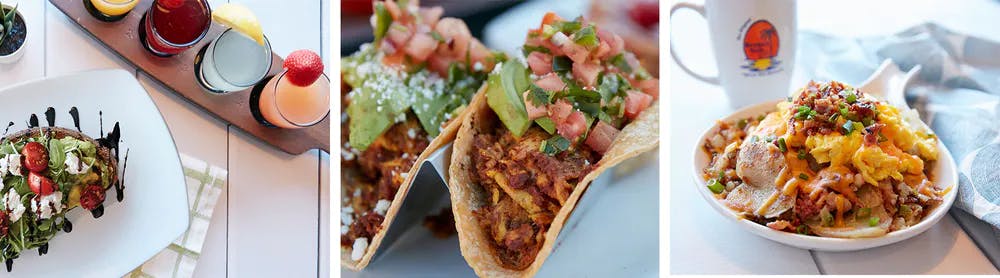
{"x": 204, "y": 185}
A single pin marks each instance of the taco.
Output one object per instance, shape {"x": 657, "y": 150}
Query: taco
{"x": 532, "y": 143}
{"x": 46, "y": 172}
{"x": 402, "y": 96}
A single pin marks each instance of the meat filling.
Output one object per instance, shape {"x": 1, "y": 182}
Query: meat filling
{"x": 524, "y": 190}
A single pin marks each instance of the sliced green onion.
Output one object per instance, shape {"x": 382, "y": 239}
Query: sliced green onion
{"x": 872, "y": 222}
{"x": 741, "y": 124}
{"x": 781, "y": 145}
{"x": 848, "y": 127}
{"x": 833, "y": 119}
{"x": 804, "y": 112}
{"x": 868, "y": 121}
{"x": 802, "y": 229}
{"x": 803, "y": 176}
{"x": 849, "y": 95}
{"x": 864, "y": 212}
{"x": 826, "y": 219}
{"x": 802, "y": 154}
{"x": 905, "y": 211}
{"x": 715, "y": 186}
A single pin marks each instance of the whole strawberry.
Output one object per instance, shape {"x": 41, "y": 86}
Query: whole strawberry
{"x": 303, "y": 67}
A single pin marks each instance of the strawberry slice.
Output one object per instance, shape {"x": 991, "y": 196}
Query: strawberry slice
{"x": 303, "y": 67}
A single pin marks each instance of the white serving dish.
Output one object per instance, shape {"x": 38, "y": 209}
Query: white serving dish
{"x": 888, "y": 78}
{"x": 155, "y": 209}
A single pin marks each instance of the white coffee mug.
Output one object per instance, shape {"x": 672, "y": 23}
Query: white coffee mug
{"x": 754, "y": 46}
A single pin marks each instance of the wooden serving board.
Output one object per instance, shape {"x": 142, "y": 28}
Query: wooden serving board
{"x": 178, "y": 74}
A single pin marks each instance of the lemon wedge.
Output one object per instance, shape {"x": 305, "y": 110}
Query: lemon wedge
{"x": 241, "y": 19}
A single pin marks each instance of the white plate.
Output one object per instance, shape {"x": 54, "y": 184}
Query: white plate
{"x": 154, "y": 211}
{"x": 944, "y": 172}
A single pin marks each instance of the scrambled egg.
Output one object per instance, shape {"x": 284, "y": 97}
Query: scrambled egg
{"x": 900, "y": 154}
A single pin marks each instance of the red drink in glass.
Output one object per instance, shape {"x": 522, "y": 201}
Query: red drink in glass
{"x": 172, "y": 26}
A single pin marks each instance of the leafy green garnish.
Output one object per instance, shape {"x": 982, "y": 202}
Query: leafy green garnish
{"x": 539, "y": 97}
{"x": 554, "y": 145}
{"x": 619, "y": 62}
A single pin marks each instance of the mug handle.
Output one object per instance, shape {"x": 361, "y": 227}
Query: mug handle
{"x": 701, "y": 10}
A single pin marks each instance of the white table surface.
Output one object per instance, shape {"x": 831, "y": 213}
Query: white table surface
{"x": 268, "y": 220}
{"x": 701, "y": 241}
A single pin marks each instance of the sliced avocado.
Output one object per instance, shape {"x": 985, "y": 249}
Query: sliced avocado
{"x": 547, "y": 124}
{"x": 366, "y": 122}
{"x": 503, "y": 94}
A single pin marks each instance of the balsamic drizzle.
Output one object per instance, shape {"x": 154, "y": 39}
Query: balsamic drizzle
{"x": 73, "y": 112}
{"x": 10, "y": 124}
{"x": 119, "y": 184}
{"x": 50, "y": 116}
{"x": 33, "y": 121}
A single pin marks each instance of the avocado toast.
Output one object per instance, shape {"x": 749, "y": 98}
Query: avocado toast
{"x": 47, "y": 171}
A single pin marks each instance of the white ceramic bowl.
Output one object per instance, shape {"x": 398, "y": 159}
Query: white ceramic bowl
{"x": 17, "y": 54}
{"x": 944, "y": 172}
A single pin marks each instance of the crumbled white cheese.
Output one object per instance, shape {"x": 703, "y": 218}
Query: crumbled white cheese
{"x": 73, "y": 165}
{"x": 496, "y": 69}
{"x": 358, "y": 250}
{"x": 477, "y": 66}
{"x": 412, "y": 133}
{"x": 48, "y": 205}
{"x": 346, "y": 154}
{"x": 344, "y": 230}
{"x": 404, "y": 175}
{"x": 347, "y": 216}
{"x": 381, "y": 207}
{"x": 10, "y": 164}
{"x": 357, "y": 192}
{"x": 12, "y": 204}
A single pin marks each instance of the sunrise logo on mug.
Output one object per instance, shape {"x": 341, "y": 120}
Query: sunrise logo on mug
{"x": 760, "y": 46}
